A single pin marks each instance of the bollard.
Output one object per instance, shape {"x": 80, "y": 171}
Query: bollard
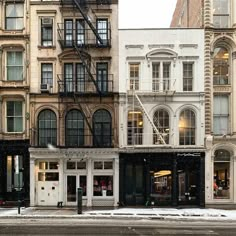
{"x": 79, "y": 200}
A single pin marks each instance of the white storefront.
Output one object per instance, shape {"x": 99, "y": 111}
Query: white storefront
{"x": 55, "y": 176}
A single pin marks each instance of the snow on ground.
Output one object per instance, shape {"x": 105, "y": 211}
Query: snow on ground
{"x": 169, "y": 213}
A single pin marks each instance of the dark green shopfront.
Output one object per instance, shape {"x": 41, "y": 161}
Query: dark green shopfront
{"x": 162, "y": 179}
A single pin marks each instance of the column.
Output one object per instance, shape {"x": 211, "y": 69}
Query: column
{"x": 32, "y": 182}
{"x": 232, "y": 183}
{"x": 89, "y": 182}
{"x": 116, "y": 181}
{"x": 61, "y": 181}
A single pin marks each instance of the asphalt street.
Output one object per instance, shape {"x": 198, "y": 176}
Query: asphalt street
{"x": 110, "y": 227}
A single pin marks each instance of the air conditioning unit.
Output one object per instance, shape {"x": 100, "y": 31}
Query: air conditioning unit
{"x": 47, "y": 21}
{"x": 45, "y": 87}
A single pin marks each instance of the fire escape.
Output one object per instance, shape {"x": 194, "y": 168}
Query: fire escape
{"x": 80, "y": 35}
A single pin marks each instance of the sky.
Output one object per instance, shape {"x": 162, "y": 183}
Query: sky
{"x": 145, "y": 13}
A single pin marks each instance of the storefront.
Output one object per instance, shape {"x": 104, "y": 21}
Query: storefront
{"x": 14, "y": 171}
{"x": 157, "y": 179}
{"x": 57, "y": 177}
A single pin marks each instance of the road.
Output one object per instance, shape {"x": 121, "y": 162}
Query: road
{"x": 111, "y": 227}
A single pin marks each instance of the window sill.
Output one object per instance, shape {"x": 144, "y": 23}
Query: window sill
{"x": 47, "y": 47}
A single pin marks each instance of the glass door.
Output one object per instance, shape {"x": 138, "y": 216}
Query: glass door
{"x": 71, "y": 183}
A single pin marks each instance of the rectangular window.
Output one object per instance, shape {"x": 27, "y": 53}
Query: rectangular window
{"x": 80, "y": 32}
{"x": 68, "y": 24}
{"x": 14, "y": 116}
{"x": 14, "y": 16}
{"x": 187, "y": 76}
{"x": 47, "y": 73}
{"x": 102, "y": 76}
{"x": 166, "y": 76}
{"x": 47, "y": 32}
{"x": 221, "y": 114}
{"x": 221, "y": 13}
{"x": 155, "y": 76}
{"x": 14, "y": 66}
{"x": 134, "y": 76}
{"x": 102, "y": 29}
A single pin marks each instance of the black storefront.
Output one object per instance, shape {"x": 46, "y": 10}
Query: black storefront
{"x": 162, "y": 179}
{"x": 14, "y": 183}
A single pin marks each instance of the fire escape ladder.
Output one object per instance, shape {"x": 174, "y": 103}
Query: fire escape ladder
{"x": 150, "y": 120}
{"x": 86, "y": 119}
{"x": 87, "y": 67}
{"x": 76, "y": 2}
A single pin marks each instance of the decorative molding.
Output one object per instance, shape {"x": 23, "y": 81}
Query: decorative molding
{"x": 139, "y": 46}
{"x": 46, "y": 58}
{"x": 188, "y": 57}
{"x": 151, "y": 46}
{"x": 46, "y": 11}
{"x": 222, "y": 89}
{"x": 135, "y": 58}
{"x": 188, "y": 45}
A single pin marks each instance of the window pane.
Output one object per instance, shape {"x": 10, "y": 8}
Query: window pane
{"x": 98, "y": 165}
{"x": 103, "y": 186}
{"x": 14, "y": 16}
{"x": 70, "y": 165}
{"x": 14, "y": 66}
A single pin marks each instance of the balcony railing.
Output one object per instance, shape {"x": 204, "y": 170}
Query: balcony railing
{"x": 87, "y": 2}
{"x": 84, "y": 86}
{"x": 155, "y": 85}
{"x": 220, "y": 80}
{"x": 83, "y": 37}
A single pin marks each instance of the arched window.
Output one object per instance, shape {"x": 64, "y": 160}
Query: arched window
{"x": 187, "y": 128}
{"x": 135, "y": 128}
{"x": 161, "y": 121}
{"x": 221, "y": 66}
{"x": 102, "y": 127}
{"x": 221, "y": 182}
{"x": 47, "y": 128}
{"x": 74, "y": 128}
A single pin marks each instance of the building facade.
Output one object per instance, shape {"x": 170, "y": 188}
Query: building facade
{"x": 14, "y": 101}
{"x": 162, "y": 155}
{"x": 74, "y": 102}
{"x": 219, "y": 20}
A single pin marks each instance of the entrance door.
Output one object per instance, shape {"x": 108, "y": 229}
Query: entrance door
{"x": 71, "y": 185}
{"x": 188, "y": 187}
{"x": 134, "y": 184}
{"x": 73, "y": 182}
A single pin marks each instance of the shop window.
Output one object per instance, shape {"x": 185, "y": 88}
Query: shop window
{"x": 221, "y": 114}
{"x": 14, "y": 16}
{"x": 48, "y": 165}
{"x": 161, "y": 121}
{"x": 48, "y": 176}
{"x": 100, "y": 165}
{"x": 102, "y": 126}
{"x": 187, "y": 128}
{"x": 14, "y": 66}
{"x": 103, "y": 186}
{"x": 187, "y": 76}
{"x": 14, "y": 115}
{"x": 221, "y": 13}
{"x": 134, "y": 76}
{"x": 47, "y": 128}
{"x": 135, "y": 128}
{"x": 46, "y": 32}
{"x": 74, "y": 128}
{"x": 14, "y": 180}
{"x": 221, "y": 66}
{"x": 72, "y": 165}
{"x": 221, "y": 181}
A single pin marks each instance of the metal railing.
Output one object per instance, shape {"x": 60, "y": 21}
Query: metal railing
{"x": 84, "y": 86}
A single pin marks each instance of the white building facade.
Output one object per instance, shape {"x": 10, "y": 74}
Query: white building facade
{"x": 161, "y": 116}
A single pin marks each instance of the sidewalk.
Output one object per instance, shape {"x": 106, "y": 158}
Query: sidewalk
{"x": 134, "y": 213}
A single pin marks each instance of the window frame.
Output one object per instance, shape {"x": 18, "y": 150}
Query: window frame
{"x": 134, "y": 75}
{"x": 188, "y": 79}
{"x": 14, "y": 117}
{"x": 47, "y": 39}
{"x": 15, "y": 17}
{"x": 15, "y": 66}
{"x": 47, "y": 74}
